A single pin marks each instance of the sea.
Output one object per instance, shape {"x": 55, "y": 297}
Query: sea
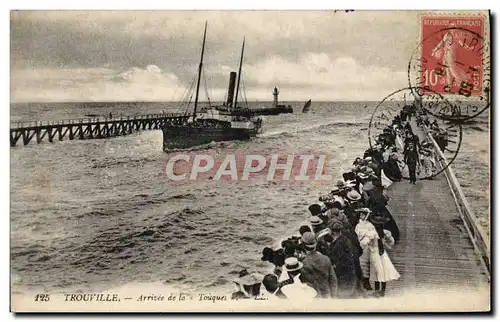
{"x": 101, "y": 214}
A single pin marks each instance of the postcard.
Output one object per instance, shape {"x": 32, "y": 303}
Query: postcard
{"x": 250, "y": 161}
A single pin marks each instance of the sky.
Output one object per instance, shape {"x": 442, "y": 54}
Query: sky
{"x": 154, "y": 55}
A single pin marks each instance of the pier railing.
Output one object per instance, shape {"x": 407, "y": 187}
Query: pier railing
{"x": 90, "y": 128}
{"x": 35, "y": 123}
{"x": 471, "y": 223}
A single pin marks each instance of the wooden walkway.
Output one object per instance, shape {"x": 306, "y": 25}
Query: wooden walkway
{"x": 434, "y": 252}
{"x": 90, "y": 128}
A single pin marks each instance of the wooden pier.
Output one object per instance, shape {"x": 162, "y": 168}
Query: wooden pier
{"x": 442, "y": 246}
{"x": 89, "y": 128}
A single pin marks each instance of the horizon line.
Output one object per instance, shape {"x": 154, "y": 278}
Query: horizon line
{"x": 167, "y": 101}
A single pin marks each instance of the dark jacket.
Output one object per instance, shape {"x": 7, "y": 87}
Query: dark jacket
{"x": 411, "y": 157}
{"x": 391, "y": 170}
{"x": 376, "y": 199}
{"x": 341, "y": 253}
{"x": 349, "y": 176}
{"x": 318, "y": 273}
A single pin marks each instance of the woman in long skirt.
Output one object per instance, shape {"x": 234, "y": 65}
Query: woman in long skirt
{"x": 376, "y": 242}
{"x": 377, "y": 201}
{"x": 426, "y": 162}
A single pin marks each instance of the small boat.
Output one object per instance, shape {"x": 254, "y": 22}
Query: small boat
{"x": 307, "y": 107}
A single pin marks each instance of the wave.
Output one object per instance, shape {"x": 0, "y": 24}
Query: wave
{"x": 287, "y": 132}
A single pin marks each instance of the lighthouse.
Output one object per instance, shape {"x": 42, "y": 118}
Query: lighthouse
{"x": 275, "y": 95}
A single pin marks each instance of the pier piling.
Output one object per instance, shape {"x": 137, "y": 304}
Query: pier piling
{"x": 89, "y": 128}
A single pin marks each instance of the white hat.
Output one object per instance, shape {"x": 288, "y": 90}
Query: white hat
{"x": 315, "y": 220}
{"x": 353, "y": 195}
{"x": 292, "y": 264}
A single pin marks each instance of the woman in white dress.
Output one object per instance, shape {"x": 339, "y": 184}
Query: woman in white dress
{"x": 375, "y": 241}
{"x": 363, "y": 228}
{"x": 426, "y": 162}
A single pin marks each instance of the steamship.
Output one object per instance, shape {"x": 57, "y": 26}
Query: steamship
{"x": 225, "y": 122}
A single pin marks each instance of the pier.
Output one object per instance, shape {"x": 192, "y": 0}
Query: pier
{"x": 89, "y": 128}
{"x": 442, "y": 246}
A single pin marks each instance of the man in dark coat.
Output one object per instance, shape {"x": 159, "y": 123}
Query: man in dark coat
{"x": 342, "y": 254}
{"x": 411, "y": 160}
{"x": 317, "y": 270}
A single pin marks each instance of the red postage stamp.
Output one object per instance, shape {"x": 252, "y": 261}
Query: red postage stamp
{"x": 452, "y": 54}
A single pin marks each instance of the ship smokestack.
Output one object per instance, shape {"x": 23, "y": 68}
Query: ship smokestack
{"x": 230, "y": 92}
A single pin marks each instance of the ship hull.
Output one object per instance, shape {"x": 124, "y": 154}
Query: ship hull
{"x": 181, "y": 137}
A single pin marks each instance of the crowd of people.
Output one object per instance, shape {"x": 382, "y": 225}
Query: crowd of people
{"x": 344, "y": 250}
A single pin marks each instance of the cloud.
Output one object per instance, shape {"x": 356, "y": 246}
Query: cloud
{"x": 172, "y": 39}
{"x": 94, "y": 84}
{"x": 315, "y": 76}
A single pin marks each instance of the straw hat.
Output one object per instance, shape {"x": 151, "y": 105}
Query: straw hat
{"x": 292, "y": 264}
{"x": 353, "y": 195}
{"x": 315, "y": 221}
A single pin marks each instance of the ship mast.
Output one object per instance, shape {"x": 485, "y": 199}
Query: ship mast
{"x": 199, "y": 73}
{"x": 239, "y": 75}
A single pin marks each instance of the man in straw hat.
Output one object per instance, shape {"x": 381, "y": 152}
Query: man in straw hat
{"x": 318, "y": 270}
{"x": 293, "y": 288}
{"x": 320, "y": 230}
